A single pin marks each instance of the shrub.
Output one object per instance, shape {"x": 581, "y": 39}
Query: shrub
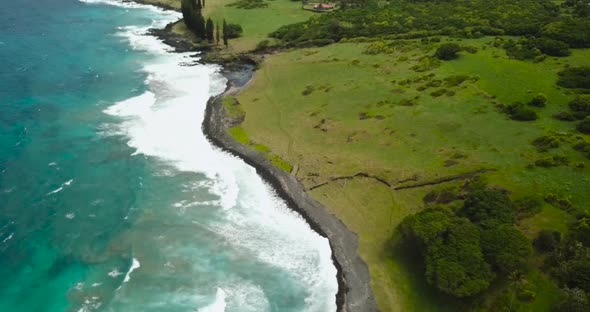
{"x": 527, "y": 207}
{"x": 488, "y": 207}
{"x": 447, "y": 51}
{"x": 233, "y": 30}
{"x": 263, "y": 45}
{"x": 552, "y": 47}
{"x": 451, "y": 251}
{"x": 552, "y": 161}
{"x": 547, "y": 241}
{"x": 575, "y": 78}
{"x": 518, "y": 111}
{"x": 558, "y": 201}
{"x": 455, "y": 80}
{"x": 584, "y": 126}
{"x": 581, "y": 104}
{"x": 470, "y": 49}
{"x": 505, "y": 248}
{"x": 546, "y": 142}
{"x": 438, "y": 92}
{"x": 248, "y": 4}
{"x": 538, "y": 101}
{"x": 565, "y": 116}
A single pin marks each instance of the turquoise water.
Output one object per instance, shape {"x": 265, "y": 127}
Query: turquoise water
{"x": 111, "y": 199}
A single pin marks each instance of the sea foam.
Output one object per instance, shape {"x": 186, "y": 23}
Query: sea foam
{"x": 165, "y": 122}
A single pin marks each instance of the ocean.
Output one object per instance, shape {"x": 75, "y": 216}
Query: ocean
{"x": 111, "y": 198}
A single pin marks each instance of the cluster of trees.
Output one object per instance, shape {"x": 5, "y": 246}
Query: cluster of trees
{"x": 532, "y": 48}
{"x": 568, "y": 261}
{"x": 205, "y": 29}
{"x": 580, "y": 110}
{"x": 464, "y": 251}
{"x": 416, "y": 19}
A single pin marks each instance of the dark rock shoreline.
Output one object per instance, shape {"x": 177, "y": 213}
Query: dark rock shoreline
{"x": 354, "y": 287}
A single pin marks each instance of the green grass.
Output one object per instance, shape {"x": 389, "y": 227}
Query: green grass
{"x": 358, "y": 116}
{"x": 241, "y": 136}
{"x": 257, "y": 23}
{"x": 232, "y": 107}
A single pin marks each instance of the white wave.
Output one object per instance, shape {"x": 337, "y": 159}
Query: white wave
{"x": 218, "y": 305}
{"x": 59, "y": 189}
{"x": 8, "y": 238}
{"x": 165, "y": 122}
{"x": 134, "y": 265}
{"x": 114, "y": 273}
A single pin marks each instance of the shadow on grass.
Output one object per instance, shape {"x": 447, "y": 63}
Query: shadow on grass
{"x": 421, "y": 295}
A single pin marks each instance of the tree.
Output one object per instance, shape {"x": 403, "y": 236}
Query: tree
{"x": 194, "y": 21}
{"x": 539, "y": 100}
{"x": 574, "y": 300}
{"x": 447, "y": 51}
{"x": 505, "y": 248}
{"x": 584, "y": 126}
{"x": 225, "y": 37}
{"x": 209, "y": 30}
{"x": 217, "y": 33}
{"x": 455, "y": 263}
{"x": 547, "y": 241}
{"x": 488, "y": 208}
{"x": 451, "y": 249}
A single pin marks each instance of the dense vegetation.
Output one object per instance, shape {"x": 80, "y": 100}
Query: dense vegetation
{"x": 465, "y": 251}
{"x": 461, "y": 18}
{"x": 205, "y": 29}
{"x": 488, "y": 67}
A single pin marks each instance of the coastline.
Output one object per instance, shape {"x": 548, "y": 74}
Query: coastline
{"x": 354, "y": 287}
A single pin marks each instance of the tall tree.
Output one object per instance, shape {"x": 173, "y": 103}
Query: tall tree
{"x": 209, "y": 28}
{"x": 201, "y": 29}
{"x": 217, "y": 33}
{"x": 225, "y": 35}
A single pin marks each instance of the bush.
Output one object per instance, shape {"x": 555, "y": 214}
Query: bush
{"x": 506, "y": 248}
{"x": 470, "y": 49}
{"x": 546, "y": 142}
{"x": 248, "y": 4}
{"x": 451, "y": 250}
{"x": 547, "y": 241}
{"x": 518, "y": 111}
{"x": 538, "y": 101}
{"x": 488, "y": 208}
{"x": 233, "y": 30}
{"x": 438, "y": 92}
{"x": 455, "y": 263}
{"x": 565, "y": 116}
{"x": 527, "y": 207}
{"x": 456, "y": 80}
{"x": 558, "y": 201}
{"x": 575, "y": 32}
{"x": 575, "y": 78}
{"x": 263, "y": 45}
{"x": 581, "y": 104}
{"x": 551, "y": 47}
{"x": 447, "y": 51}
{"x": 552, "y": 161}
{"x": 584, "y": 126}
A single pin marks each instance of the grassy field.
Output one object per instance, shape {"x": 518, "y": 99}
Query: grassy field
{"x": 336, "y": 111}
{"x": 257, "y": 23}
